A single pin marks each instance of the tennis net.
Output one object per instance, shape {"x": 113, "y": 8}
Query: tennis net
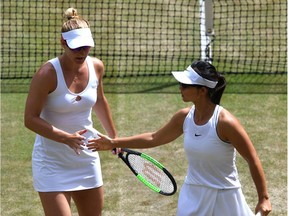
{"x": 150, "y": 38}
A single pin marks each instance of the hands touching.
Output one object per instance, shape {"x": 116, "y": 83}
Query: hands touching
{"x": 76, "y": 141}
{"x": 101, "y": 143}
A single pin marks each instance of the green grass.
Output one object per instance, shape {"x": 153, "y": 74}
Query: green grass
{"x": 263, "y": 115}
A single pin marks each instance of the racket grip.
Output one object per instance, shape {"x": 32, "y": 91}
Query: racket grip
{"x": 259, "y": 214}
{"x": 114, "y": 151}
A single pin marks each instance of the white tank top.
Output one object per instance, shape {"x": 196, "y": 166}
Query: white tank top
{"x": 211, "y": 162}
{"x": 67, "y": 110}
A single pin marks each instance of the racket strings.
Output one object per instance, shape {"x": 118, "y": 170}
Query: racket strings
{"x": 152, "y": 173}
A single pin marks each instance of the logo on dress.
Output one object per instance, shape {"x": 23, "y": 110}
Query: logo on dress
{"x": 197, "y": 135}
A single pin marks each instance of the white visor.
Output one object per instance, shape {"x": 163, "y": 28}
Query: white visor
{"x": 78, "y": 38}
{"x": 191, "y": 77}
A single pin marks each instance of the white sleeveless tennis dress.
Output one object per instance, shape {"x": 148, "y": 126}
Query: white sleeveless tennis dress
{"x": 211, "y": 186}
{"x": 55, "y": 166}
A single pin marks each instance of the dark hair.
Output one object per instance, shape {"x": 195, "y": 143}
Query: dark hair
{"x": 209, "y": 72}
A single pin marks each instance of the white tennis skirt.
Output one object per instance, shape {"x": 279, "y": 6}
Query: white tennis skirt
{"x": 197, "y": 200}
{"x": 56, "y": 167}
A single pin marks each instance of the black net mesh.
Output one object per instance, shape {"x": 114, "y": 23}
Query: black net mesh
{"x": 147, "y": 39}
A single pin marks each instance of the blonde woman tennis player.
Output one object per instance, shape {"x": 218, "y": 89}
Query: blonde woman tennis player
{"x": 62, "y": 95}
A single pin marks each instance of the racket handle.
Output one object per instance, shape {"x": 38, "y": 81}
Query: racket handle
{"x": 259, "y": 214}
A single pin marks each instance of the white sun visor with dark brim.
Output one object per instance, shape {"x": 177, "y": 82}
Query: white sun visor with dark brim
{"x": 191, "y": 77}
{"x": 78, "y": 38}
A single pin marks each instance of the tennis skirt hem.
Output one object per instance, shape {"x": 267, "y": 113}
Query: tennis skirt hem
{"x": 67, "y": 190}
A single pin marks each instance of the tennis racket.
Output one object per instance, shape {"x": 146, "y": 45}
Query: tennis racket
{"x": 259, "y": 214}
{"x": 149, "y": 171}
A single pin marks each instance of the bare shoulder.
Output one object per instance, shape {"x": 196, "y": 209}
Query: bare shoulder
{"x": 45, "y": 77}
{"x": 184, "y": 111}
{"x": 180, "y": 115}
{"x": 97, "y": 61}
{"x": 46, "y": 69}
{"x": 227, "y": 118}
{"x": 98, "y": 65}
{"x": 227, "y": 125}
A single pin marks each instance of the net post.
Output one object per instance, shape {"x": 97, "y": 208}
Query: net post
{"x": 206, "y": 29}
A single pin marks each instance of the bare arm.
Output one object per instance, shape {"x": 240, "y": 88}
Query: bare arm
{"x": 169, "y": 132}
{"x": 230, "y": 130}
{"x": 44, "y": 82}
{"x": 101, "y": 107}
